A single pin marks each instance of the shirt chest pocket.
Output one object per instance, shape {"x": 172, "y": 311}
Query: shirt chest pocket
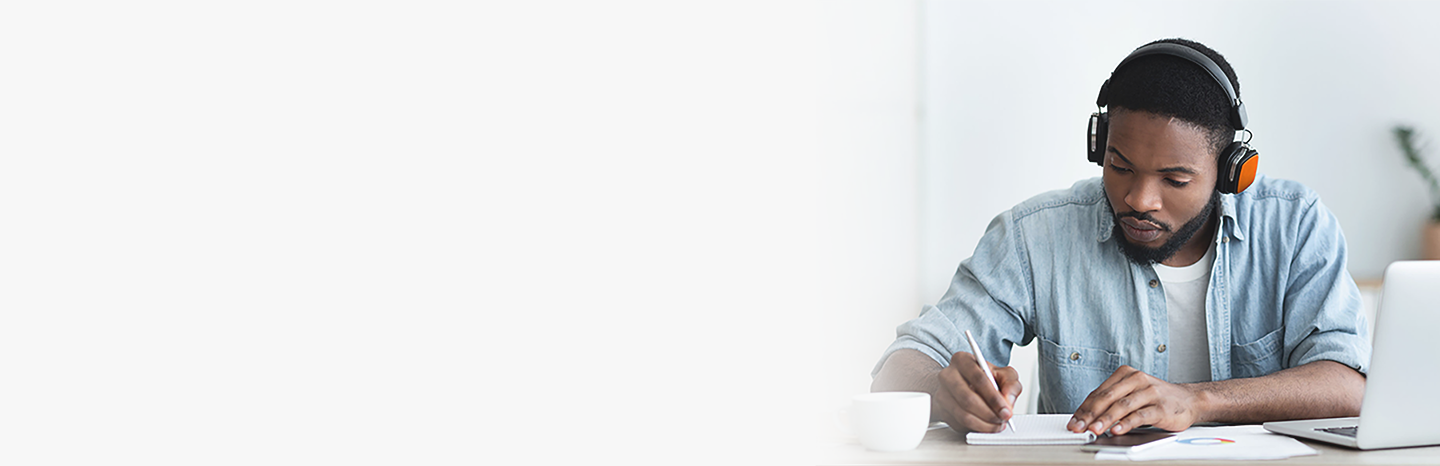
{"x": 1257, "y": 358}
{"x": 1069, "y": 373}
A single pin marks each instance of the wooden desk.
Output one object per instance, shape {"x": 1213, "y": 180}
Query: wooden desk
{"x": 944, "y": 446}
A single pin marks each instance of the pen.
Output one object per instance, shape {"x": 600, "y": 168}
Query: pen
{"x": 985, "y": 366}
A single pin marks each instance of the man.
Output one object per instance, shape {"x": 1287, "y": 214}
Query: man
{"x": 1171, "y": 290}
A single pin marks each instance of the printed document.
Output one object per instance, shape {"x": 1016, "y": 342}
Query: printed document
{"x": 1247, "y": 443}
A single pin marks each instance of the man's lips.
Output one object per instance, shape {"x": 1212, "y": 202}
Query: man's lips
{"x": 1140, "y": 232}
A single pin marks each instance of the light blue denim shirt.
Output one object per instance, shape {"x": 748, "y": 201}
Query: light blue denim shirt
{"x": 1049, "y": 272}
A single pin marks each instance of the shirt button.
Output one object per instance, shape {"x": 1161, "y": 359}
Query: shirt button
{"x": 1074, "y": 356}
{"x": 1161, "y": 348}
{"x": 1224, "y": 239}
{"x": 1154, "y": 283}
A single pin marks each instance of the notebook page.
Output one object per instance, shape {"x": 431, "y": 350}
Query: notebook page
{"x": 1033, "y": 429}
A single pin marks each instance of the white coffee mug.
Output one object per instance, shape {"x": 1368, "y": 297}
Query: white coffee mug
{"x": 890, "y": 421}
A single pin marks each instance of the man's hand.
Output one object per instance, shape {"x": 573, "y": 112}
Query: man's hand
{"x": 968, "y": 402}
{"x": 1131, "y": 398}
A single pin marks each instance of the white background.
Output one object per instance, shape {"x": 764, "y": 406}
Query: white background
{"x": 654, "y": 232}
{"x": 323, "y": 232}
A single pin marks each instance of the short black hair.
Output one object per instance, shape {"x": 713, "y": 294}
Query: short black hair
{"x": 1174, "y": 87}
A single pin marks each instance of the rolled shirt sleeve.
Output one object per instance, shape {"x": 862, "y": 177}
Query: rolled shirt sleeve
{"x": 989, "y": 295}
{"x": 1323, "y": 311}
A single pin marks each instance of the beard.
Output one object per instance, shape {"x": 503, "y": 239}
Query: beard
{"x": 1146, "y": 256}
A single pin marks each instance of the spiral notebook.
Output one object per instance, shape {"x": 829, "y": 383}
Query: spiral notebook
{"x": 1033, "y": 429}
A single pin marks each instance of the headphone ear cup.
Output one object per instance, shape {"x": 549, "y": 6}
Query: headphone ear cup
{"x": 1237, "y": 168}
{"x": 1095, "y": 134}
{"x": 1249, "y": 167}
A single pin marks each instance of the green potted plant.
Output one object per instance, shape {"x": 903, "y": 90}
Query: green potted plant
{"x": 1430, "y": 240}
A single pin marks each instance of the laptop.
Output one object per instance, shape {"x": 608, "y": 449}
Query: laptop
{"x": 1402, "y": 390}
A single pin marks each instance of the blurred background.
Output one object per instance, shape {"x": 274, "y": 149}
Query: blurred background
{"x": 939, "y": 115}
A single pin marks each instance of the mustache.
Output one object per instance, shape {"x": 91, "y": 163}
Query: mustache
{"x": 1143, "y": 216}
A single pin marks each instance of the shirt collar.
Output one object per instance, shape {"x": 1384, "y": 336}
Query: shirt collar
{"x": 1106, "y": 221}
{"x": 1227, "y": 211}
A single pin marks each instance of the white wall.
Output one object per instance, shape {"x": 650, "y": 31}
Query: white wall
{"x": 870, "y": 214}
{"x": 312, "y": 231}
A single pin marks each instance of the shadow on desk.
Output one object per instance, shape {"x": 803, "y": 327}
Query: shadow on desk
{"x": 945, "y": 446}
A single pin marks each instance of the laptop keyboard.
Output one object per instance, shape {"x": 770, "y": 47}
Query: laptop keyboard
{"x": 1346, "y": 431}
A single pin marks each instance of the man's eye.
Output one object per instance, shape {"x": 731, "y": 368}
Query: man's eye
{"x": 1119, "y": 170}
{"x": 1177, "y": 184}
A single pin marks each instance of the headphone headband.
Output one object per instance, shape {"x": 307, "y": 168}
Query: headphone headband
{"x": 1237, "y": 115}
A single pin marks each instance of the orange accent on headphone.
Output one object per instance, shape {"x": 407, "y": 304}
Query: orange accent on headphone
{"x": 1247, "y": 173}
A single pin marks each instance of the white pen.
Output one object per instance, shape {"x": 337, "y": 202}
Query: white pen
{"x": 985, "y": 366}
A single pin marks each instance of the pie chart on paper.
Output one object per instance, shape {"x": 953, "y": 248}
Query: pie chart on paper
{"x": 1205, "y": 441}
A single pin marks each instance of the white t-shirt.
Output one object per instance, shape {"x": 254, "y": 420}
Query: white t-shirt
{"x": 1189, "y": 345}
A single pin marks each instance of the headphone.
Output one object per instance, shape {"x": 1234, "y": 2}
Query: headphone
{"x": 1238, "y": 162}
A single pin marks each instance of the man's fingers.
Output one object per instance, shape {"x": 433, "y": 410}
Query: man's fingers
{"x": 972, "y": 391}
{"x": 1147, "y": 415}
{"x": 1100, "y": 400}
{"x": 1137, "y": 399}
{"x": 986, "y": 392}
{"x": 975, "y": 424}
{"x": 976, "y": 405}
{"x": 965, "y": 398}
{"x": 965, "y": 420}
{"x": 955, "y": 414}
{"x": 1009, "y": 380}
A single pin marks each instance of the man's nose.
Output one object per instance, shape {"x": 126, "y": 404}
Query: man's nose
{"x": 1145, "y": 196}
